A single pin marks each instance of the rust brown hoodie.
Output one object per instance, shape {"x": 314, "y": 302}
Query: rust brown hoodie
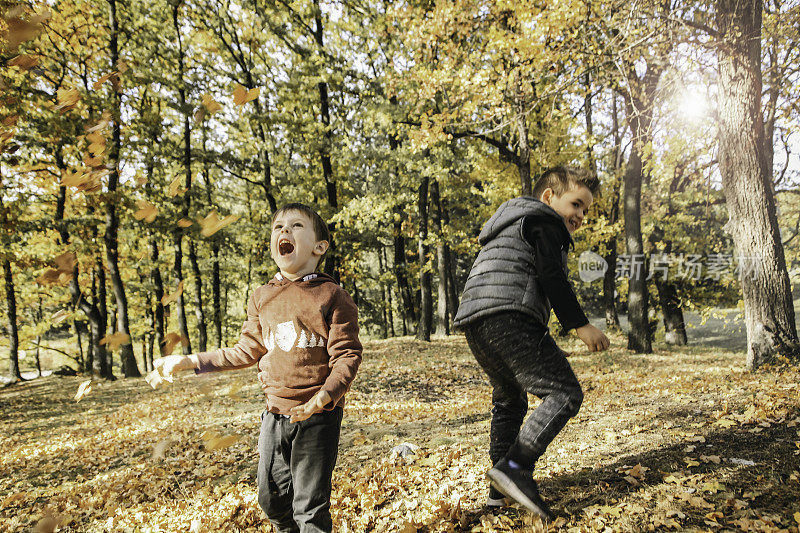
{"x": 304, "y": 336}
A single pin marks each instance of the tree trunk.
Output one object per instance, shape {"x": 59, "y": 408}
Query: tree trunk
{"x": 426, "y": 304}
{"x": 746, "y": 180}
{"x": 524, "y": 155}
{"x": 202, "y": 332}
{"x": 390, "y": 306}
{"x": 13, "y": 336}
{"x": 384, "y": 305}
{"x": 187, "y": 168}
{"x": 158, "y": 289}
{"x": 609, "y": 278}
{"x": 442, "y": 322}
{"x": 639, "y": 338}
{"x": 81, "y": 361}
{"x": 112, "y": 221}
{"x": 331, "y": 261}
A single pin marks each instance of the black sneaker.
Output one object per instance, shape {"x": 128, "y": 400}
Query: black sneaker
{"x": 519, "y": 485}
{"x": 496, "y": 498}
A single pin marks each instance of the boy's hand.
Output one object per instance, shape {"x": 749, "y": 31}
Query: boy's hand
{"x": 594, "y": 339}
{"x": 312, "y": 406}
{"x": 169, "y": 365}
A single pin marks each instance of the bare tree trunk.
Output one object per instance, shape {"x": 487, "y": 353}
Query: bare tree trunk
{"x": 390, "y": 306}
{"x": 187, "y": 168}
{"x": 609, "y": 278}
{"x": 524, "y": 156}
{"x": 112, "y": 221}
{"x": 13, "y": 335}
{"x": 331, "y": 259}
{"x": 81, "y": 361}
{"x": 442, "y": 322}
{"x": 639, "y": 338}
{"x": 158, "y": 289}
{"x": 202, "y": 332}
{"x": 746, "y": 180}
{"x": 425, "y": 322}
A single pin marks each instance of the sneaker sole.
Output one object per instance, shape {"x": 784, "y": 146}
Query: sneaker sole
{"x": 495, "y": 502}
{"x": 503, "y": 483}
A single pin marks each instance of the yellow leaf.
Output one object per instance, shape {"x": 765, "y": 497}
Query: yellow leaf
{"x": 170, "y": 298}
{"x": 83, "y": 389}
{"x": 184, "y": 223}
{"x": 50, "y": 276}
{"x": 219, "y": 443}
{"x": 115, "y": 340}
{"x": 212, "y": 223}
{"x": 199, "y": 115}
{"x": 95, "y": 138}
{"x": 233, "y": 390}
{"x": 252, "y": 94}
{"x": 797, "y": 517}
{"x": 175, "y": 187}
{"x": 239, "y": 95}
{"x": 146, "y": 211}
{"x": 211, "y": 105}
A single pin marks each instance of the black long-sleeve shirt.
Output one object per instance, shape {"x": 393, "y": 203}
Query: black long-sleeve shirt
{"x": 548, "y": 238}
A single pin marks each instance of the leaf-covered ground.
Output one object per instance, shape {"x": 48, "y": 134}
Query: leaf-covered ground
{"x": 683, "y": 439}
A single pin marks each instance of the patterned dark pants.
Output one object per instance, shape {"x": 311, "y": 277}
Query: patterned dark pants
{"x": 521, "y": 357}
{"x": 295, "y": 466}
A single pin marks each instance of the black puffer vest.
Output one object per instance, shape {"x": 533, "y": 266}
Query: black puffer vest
{"x": 503, "y": 277}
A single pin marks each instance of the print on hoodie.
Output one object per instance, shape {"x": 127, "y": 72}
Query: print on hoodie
{"x": 285, "y": 336}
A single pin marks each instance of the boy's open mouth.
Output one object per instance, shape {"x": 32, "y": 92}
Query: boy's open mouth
{"x": 285, "y": 247}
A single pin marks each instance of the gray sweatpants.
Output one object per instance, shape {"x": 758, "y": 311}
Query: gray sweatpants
{"x": 521, "y": 357}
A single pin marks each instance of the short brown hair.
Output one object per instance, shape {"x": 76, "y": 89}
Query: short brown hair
{"x": 562, "y": 178}
{"x": 321, "y": 231}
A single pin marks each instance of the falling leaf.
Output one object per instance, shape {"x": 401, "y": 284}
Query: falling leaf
{"x": 66, "y": 262}
{"x": 146, "y": 211}
{"x": 239, "y": 95}
{"x": 60, "y": 316}
{"x": 49, "y": 523}
{"x": 23, "y": 61}
{"x": 160, "y": 449}
{"x": 83, "y": 389}
{"x": 67, "y": 99}
{"x": 211, "y": 105}
{"x": 175, "y": 187}
{"x": 212, "y": 223}
{"x": 49, "y": 277}
{"x": 169, "y": 343}
{"x": 104, "y": 78}
{"x": 115, "y": 340}
{"x": 199, "y": 115}
{"x": 184, "y": 223}
{"x": 233, "y": 391}
{"x": 171, "y": 298}
{"x": 140, "y": 180}
{"x": 215, "y": 442}
{"x": 155, "y": 379}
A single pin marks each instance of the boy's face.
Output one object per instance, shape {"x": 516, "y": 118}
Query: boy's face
{"x": 572, "y": 205}
{"x": 294, "y": 245}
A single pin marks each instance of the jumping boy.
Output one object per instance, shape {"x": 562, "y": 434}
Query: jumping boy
{"x": 519, "y": 273}
{"x": 302, "y": 330}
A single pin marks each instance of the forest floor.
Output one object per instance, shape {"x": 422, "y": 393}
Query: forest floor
{"x": 682, "y": 439}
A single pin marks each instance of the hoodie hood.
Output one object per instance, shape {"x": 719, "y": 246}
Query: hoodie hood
{"x": 315, "y": 278}
{"x": 516, "y": 208}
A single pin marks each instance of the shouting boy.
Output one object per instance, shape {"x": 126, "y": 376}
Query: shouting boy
{"x": 520, "y": 272}
{"x": 302, "y": 330}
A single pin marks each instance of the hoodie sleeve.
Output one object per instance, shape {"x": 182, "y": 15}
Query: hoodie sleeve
{"x": 546, "y": 239}
{"x": 344, "y": 348}
{"x": 247, "y": 350}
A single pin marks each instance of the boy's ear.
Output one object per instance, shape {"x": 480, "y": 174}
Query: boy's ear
{"x": 547, "y": 195}
{"x": 321, "y": 247}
